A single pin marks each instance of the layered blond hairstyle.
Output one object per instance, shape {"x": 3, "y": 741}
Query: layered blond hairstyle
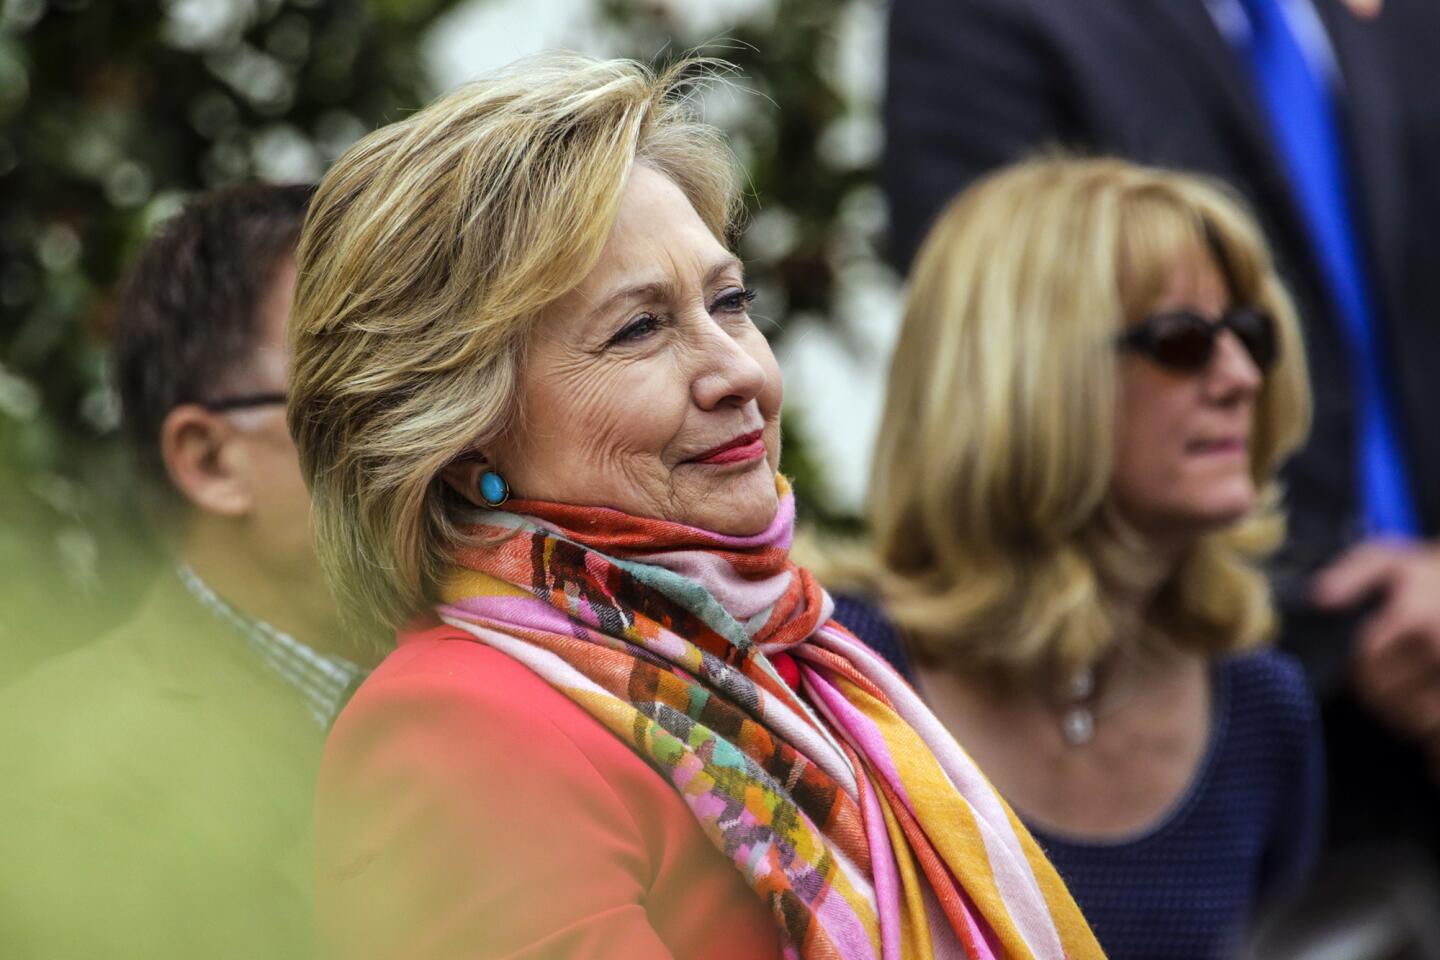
{"x": 430, "y": 249}
{"x": 996, "y": 542}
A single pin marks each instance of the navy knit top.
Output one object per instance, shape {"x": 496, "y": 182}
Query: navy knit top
{"x": 1246, "y": 828}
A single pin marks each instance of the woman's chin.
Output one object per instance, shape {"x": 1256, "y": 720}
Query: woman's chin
{"x": 735, "y": 500}
{"x": 1227, "y": 505}
{"x": 741, "y": 513}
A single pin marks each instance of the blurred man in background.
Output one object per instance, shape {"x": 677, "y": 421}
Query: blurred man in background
{"x": 158, "y": 781}
{"x": 1320, "y": 113}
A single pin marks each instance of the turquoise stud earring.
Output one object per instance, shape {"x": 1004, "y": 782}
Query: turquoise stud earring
{"x": 493, "y": 488}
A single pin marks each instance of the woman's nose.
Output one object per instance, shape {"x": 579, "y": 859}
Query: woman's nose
{"x": 727, "y": 374}
{"x": 1232, "y": 374}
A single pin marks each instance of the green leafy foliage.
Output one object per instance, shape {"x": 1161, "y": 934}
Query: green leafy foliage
{"x": 113, "y": 113}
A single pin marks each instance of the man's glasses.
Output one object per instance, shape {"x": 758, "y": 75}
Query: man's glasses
{"x": 1183, "y": 340}
{"x": 243, "y": 401}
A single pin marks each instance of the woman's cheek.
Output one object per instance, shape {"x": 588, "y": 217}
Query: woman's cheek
{"x": 651, "y": 411}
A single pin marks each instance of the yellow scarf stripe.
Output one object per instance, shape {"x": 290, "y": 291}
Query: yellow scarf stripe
{"x": 464, "y": 583}
{"x": 1075, "y": 933}
{"x": 948, "y": 819}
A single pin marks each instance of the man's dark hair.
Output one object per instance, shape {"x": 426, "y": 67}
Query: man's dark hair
{"x": 189, "y": 313}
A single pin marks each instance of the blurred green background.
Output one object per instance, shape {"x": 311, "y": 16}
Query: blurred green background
{"x": 113, "y": 113}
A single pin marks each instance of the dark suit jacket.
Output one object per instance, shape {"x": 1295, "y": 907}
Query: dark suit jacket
{"x": 974, "y": 84}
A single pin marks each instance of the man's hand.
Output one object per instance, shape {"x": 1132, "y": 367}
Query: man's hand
{"x": 1397, "y": 651}
{"x": 1365, "y": 9}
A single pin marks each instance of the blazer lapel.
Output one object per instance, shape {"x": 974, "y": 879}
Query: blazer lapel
{"x": 1187, "y": 28}
{"x": 1369, "y": 122}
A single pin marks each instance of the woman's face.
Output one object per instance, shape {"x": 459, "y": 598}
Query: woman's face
{"x": 647, "y": 388}
{"x": 1183, "y": 459}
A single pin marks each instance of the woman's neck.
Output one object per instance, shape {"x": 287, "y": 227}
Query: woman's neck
{"x": 1157, "y": 559}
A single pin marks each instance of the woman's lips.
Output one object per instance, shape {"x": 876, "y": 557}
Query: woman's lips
{"x": 1232, "y": 446}
{"x": 747, "y": 446}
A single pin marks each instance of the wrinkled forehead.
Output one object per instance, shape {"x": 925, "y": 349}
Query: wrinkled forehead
{"x": 655, "y": 224}
{"x": 659, "y": 247}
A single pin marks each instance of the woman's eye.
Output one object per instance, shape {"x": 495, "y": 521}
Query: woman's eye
{"x": 637, "y": 329}
{"x": 733, "y": 301}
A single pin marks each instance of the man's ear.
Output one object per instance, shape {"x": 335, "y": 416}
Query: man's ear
{"x": 463, "y": 476}
{"x": 200, "y": 454}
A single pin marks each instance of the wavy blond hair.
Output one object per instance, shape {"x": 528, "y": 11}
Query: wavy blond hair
{"x": 996, "y": 543}
{"x": 430, "y": 248}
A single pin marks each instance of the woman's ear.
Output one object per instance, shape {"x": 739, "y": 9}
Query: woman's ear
{"x": 205, "y": 462}
{"x": 463, "y": 476}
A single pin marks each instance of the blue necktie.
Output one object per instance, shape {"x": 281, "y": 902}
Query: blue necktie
{"x": 1301, "y": 113}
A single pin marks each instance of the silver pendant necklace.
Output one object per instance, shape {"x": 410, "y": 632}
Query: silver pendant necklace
{"x": 1104, "y": 687}
{"x": 1077, "y": 719}
{"x": 1081, "y": 709}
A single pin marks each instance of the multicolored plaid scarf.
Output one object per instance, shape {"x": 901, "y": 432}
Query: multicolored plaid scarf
{"x": 804, "y": 756}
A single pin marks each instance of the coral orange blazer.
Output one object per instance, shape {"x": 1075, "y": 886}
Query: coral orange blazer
{"x": 468, "y": 809}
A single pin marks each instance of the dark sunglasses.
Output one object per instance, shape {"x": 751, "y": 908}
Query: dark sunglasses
{"x": 1184, "y": 340}
{"x": 243, "y": 402}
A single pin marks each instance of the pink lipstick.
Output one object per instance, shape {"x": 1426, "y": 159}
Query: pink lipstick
{"x": 1229, "y": 446}
{"x": 747, "y": 446}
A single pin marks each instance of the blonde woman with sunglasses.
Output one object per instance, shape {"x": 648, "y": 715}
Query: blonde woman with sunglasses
{"x": 1098, "y": 378}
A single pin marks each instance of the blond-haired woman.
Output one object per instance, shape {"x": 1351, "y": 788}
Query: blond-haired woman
{"x": 542, "y": 434}
{"x": 1097, "y": 379}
